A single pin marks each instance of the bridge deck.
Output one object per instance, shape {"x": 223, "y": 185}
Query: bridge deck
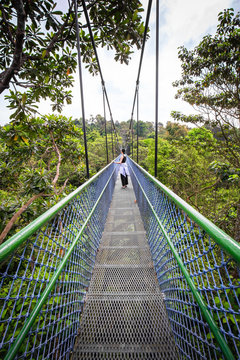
{"x": 124, "y": 315}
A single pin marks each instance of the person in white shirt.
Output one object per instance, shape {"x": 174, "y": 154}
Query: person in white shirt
{"x": 124, "y": 173}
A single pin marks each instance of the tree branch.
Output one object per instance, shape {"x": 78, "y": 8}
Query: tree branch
{"x": 59, "y": 162}
{"x": 55, "y": 39}
{"x": 17, "y": 214}
{"x": 15, "y": 66}
{"x": 203, "y": 189}
{"x": 23, "y": 84}
{"x": 227, "y": 142}
{"x": 19, "y": 57}
{"x": 63, "y": 187}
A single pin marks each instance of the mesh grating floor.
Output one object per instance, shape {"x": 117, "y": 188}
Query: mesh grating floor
{"x": 115, "y": 280}
{"x": 124, "y": 239}
{"x": 137, "y": 325}
{"x": 127, "y": 226}
{"x": 122, "y": 256}
{"x": 137, "y": 354}
{"x": 123, "y": 219}
{"x": 124, "y": 315}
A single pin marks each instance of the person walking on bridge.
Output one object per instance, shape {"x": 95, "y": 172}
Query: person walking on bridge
{"x": 124, "y": 173}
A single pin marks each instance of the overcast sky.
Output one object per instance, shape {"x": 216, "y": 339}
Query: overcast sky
{"x": 182, "y": 22}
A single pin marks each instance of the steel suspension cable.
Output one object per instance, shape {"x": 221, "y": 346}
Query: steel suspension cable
{"x": 105, "y": 123}
{"x": 140, "y": 63}
{"x": 99, "y": 66}
{"x": 112, "y": 140}
{"x": 132, "y": 139}
{"x": 81, "y": 86}
{"x": 137, "y": 119}
{"x": 157, "y": 85}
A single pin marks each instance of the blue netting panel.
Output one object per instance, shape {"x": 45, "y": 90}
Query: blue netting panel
{"x": 25, "y": 275}
{"x": 214, "y": 273}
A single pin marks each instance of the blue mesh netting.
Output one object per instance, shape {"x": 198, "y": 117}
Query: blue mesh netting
{"x": 25, "y": 275}
{"x": 27, "y": 272}
{"x": 214, "y": 273}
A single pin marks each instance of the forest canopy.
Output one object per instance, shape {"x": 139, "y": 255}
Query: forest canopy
{"x": 210, "y": 82}
{"x": 38, "y": 46}
{"x": 42, "y": 157}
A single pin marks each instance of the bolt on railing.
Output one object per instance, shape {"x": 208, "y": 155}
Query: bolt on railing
{"x": 197, "y": 267}
{"x": 45, "y": 272}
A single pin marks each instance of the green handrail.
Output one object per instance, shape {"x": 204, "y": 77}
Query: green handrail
{"x": 225, "y": 241}
{"x": 199, "y": 299}
{"x": 15, "y": 346}
{"x": 13, "y": 242}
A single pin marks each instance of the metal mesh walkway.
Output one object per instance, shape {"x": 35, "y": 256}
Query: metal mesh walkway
{"x": 124, "y": 315}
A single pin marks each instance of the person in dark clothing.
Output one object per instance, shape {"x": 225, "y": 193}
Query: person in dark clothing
{"x": 123, "y": 169}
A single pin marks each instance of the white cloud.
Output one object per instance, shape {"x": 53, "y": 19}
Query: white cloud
{"x": 182, "y": 22}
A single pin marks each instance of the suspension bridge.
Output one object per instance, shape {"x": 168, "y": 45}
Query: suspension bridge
{"x": 109, "y": 273}
{"x": 156, "y": 280}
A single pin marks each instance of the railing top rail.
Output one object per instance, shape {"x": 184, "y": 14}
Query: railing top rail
{"x": 224, "y": 240}
{"x": 17, "y": 239}
{"x": 50, "y": 285}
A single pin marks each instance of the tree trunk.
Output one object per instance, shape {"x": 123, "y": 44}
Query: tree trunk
{"x": 15, "y": 66}
{"x": 16, "y": 216}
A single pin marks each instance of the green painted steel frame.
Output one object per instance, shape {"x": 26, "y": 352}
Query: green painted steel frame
{"x": 12, "y": 243}
{"x": 213, "y": 229}
{"x": 226, "y": 242}
{"x": 17, "y": 239}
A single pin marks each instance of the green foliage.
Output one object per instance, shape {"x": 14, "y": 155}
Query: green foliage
{"x": 210, "y": 82}
{"x": 43, "y": 156}
{"x": 175, "y": 130}
{"x": 225, "y": 172}
{"x": 31, "y": 151}
{"x": 97, "y": 153}
{"x": 189, "y": 162}
{"x": 38, "y": 47}
{"x": 144, "y": 128}
{"x": 194, "y": 169}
